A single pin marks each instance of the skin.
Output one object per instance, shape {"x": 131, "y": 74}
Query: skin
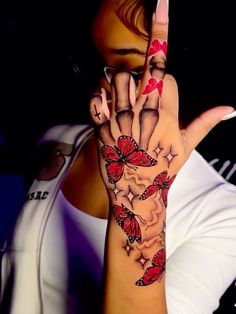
{"x": 117, "y": 44}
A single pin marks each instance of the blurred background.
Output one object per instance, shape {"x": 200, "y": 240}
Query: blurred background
{"x": 41, "y": 85}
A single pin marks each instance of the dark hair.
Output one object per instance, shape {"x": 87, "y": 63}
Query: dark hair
{"x": 134, "y": 11}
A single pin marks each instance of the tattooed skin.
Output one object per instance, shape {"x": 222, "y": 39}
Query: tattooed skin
{"x": 140, "y": 217}
{"x": 142, "y": 260}
{"x": 123, "y": 104}
{"x": 126, "y": 153}
{"x": 162, "y": 184}
{"x": 152, "y": 85}
{"x": 158, "y": 150}
{"x": 127, "y": 220}
{"x": 154, "y": 272}
{"x": 130, "y": 224}
{"x": 97, "y": 114}
{"x": 170, "y": 156}
{"x": 127, "y": 247}
{"x": 157, "y": 46}
{"x": 143, "y": 225}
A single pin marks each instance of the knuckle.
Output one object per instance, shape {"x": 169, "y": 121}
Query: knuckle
{"x": 123, "y": 106}
{"x": 149, "y": 111}
{"x": 125, "y": 112}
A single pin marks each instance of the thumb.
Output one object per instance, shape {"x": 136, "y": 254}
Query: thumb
{"x": 204, "y": 123}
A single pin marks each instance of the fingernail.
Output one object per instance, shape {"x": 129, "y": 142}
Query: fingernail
{"x": 229, "y": 116}
{"x": 161, "y": 14}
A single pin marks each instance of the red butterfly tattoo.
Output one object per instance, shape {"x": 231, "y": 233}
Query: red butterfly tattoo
{"x": 162, "y": 183}
{"x": 153, "y": 84}
{"x": 154, "y": 272}
{"x": 126, "y": 153}
{"x": 128, "y": 222}
{"x": 157, "y": 46}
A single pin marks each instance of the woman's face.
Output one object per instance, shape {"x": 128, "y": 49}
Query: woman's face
{"x": 119, "y": 46}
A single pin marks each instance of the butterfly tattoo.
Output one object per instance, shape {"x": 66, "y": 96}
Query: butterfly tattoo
{"x": 161, "y": 183}
{"x": 158, "y": 46}
{"x": 153, "y": 84}
{"x": 154, "y": 272}
{"x": 127, "y": 220}
{"x": 126, "y": 153}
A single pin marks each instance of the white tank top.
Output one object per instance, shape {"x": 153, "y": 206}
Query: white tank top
{"x": 74, "y": 248}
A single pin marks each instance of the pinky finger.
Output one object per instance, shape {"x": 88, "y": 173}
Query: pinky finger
{"x": 99, "y": 110}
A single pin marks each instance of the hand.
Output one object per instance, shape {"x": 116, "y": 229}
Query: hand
{"x": 149, "y": 115}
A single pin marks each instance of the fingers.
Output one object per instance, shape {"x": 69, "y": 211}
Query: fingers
{"x": 123, "y": 92}
{"x": 152, "y": 83}
{"x": 100, "y": 115}
{"x": 123, "y": 96}
{"x": 203, "y": 124}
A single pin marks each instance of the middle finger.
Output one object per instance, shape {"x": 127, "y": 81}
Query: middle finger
{"x": 152, "y": 83}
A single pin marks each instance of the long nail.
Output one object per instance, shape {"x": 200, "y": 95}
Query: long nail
{"x": 229, "y": 116}
{"x": 161, "y": 14}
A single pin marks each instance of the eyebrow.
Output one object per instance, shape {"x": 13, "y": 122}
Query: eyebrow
{"x": 126, "y": 51}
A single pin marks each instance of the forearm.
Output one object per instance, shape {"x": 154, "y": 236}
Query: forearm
{"x": 134, "y": 280}
{"x": 121, "y": 294}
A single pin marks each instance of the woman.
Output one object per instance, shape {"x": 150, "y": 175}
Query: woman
{"x": 53, "y": 263}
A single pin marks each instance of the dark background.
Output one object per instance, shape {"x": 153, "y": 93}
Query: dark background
{"x": 39, "y": 87}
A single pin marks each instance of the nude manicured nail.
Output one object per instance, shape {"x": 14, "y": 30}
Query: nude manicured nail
{"x": 229, "y": 116}
{"x": 161, "y": 14}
